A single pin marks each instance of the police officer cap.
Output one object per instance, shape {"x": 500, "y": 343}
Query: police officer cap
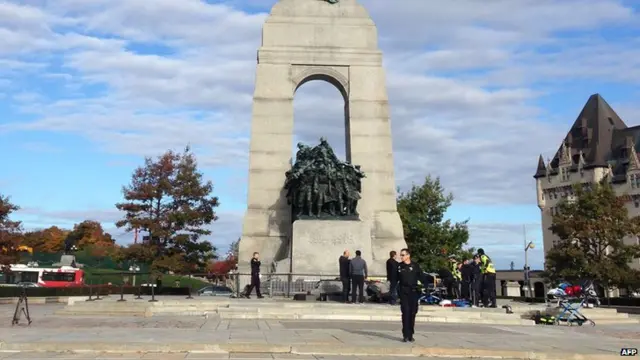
{"x": 481, "y": 251}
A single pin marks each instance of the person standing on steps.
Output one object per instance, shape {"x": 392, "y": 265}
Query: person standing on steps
{"x": 359, "y": 274}
{"x": 466, "y": 272}
{"x": 345, "y": 275}
{"x": 409, "y": 273}
{"x": 255, "y": 276}
{"x": 488, "y": 271}
{"x": 476, "y": 281}
{"x": 392, "y": 275}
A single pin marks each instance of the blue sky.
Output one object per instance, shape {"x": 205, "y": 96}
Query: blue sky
{"x": 477, "y": 92}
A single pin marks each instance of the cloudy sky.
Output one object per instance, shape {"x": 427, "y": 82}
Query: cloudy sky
{"x": 478, "y": 89}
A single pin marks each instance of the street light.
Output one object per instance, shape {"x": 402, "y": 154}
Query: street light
{"x": 134, "y": 269}
{"x": 527, "y": 278}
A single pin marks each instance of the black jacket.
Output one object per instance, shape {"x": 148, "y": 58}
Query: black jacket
{"x": 467, "y": 272}
{"x": 409, "y": 275}
{"x": 255, "y": 266}
{"x": 344, "y": 267}
{"x": 392, "y": 270}
{"x": 475, "y": 272}
{"x": 445, "y": 275}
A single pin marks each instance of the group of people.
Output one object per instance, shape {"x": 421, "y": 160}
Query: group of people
{"x": 473, "y": 280}
{"x": 353, "y": 273}
{"x": 470, "y": 279}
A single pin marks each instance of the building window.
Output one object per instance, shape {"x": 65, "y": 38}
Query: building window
{"x": 634, "y": 180}
{"x": 555, "y": 195}
{"x": 566, "y": 175}
{"x": 637, "y": 204}
{"x": 543, "y": 195}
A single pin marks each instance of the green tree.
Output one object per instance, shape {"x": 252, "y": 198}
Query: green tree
{"x": 169, "y": 199}
{"x": 429, "y": 236}
{"x": 10, "y": 234}
{"x": 591, "y": 227}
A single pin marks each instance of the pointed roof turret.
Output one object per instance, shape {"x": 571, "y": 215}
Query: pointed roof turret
{"x": 592, "y": 132}
{"x": 541, "y": 171}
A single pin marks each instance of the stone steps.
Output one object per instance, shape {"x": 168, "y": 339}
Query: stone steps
{"x": 362, "y": 317}
{"x": 312, "y": 310}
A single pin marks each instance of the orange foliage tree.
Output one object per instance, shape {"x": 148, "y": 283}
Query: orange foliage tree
{"x": 89, "y": 233}
{"x": 169, "y": 199}
{"x": 221, "y": 268}
{"x": 50, "y": 240}
{"x": 10, "y": 234}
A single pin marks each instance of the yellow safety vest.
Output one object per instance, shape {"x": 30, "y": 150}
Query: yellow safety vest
{"x": 455, "y": 271}
{"x": 486, "y": 266}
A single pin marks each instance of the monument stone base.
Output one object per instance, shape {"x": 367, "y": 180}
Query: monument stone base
{"x": 317, "y": 244}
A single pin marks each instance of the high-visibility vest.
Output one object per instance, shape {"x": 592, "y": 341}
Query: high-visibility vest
{"x": 486, "y": 266}
{"x": 455, "y": 271}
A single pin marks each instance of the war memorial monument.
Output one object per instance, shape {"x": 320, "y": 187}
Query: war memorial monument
{"x": 301, "y": 219}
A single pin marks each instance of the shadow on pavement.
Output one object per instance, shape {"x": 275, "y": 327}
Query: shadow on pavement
{"x": 379, "y": 335}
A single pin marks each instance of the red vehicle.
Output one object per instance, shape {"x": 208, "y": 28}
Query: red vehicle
{"x": 64, "y": 276}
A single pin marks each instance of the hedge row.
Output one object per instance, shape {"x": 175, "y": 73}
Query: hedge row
{"x": 12, "y": 291}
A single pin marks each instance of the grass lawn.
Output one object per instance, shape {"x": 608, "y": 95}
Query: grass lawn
{"x": 95, "y": 276}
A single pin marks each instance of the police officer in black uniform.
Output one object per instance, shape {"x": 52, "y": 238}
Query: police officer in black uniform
{"x": 255, "y": 276}
{"x": 408, "y": 275}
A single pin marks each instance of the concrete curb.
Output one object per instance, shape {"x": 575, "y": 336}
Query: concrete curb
{"x": 302, "y": 349}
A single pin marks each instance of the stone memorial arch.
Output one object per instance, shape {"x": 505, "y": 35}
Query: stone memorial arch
{"x": 305, "y": 40}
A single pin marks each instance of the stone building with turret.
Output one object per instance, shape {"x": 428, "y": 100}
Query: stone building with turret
{"x": 598, "y": 146}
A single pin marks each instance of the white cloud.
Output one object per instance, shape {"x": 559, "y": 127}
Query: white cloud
{"x": 464, "y": 78}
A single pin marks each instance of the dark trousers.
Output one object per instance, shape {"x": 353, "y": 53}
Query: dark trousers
{"x": 489, "y": 290}
{"x": 409, "y": 308}
{"x": 357, "y": 283}
{"x": 393, "y": 292}
{"x": 452, "y": 288}
{"x": 476, "y": 287}
{"x": 346, "y": 286}
{"x": 466, "y": 290}
{"x": 255, "y": 283}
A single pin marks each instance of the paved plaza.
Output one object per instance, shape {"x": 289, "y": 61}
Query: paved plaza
{"x": 211, "y": 337}
{"x": 187, "y": 356}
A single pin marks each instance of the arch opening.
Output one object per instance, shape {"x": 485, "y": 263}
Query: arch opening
{"x": 321, "y": 109}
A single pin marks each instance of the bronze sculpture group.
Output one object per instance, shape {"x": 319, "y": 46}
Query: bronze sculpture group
{"x": 321, "y": 186}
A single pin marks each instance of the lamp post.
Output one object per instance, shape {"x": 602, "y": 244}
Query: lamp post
{"x": 527, "y": 278}
{"x": 134, "y": 269}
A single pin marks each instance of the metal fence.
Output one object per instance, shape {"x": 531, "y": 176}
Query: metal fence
{"x": 271, "y": 284}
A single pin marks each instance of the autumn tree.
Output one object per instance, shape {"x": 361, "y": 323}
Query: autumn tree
{"x": 429, "y": 236}
{"x": 592, "y": 227}
{"x": 49, "y": 240}
{"x": 10, "y": 234}
{"x": 89, "y": 233}
{"x": 220, "y": 269}
{"x": 169, "y": 199}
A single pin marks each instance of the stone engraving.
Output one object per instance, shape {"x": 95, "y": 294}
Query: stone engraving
{"x": 339, "y": 239}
